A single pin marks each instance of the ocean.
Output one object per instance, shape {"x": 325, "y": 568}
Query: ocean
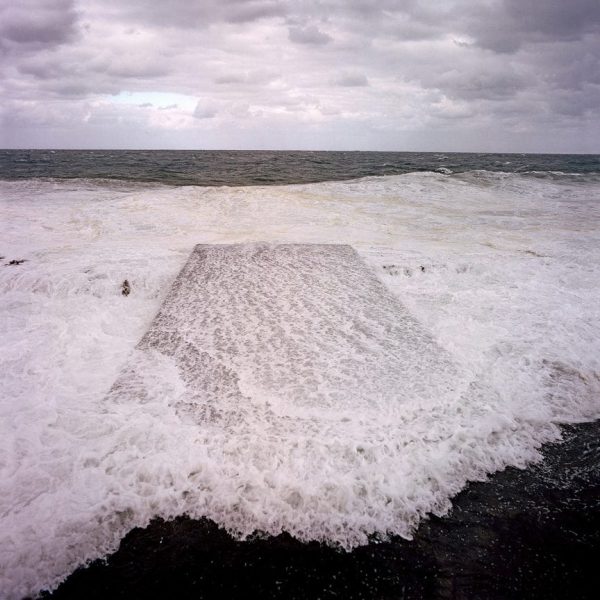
{"x": 495, "y": 256}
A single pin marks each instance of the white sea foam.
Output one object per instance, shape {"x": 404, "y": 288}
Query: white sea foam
{"x": 501, "y": 270}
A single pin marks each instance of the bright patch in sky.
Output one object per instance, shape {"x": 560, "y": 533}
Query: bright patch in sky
{"x": 156, "y": 99}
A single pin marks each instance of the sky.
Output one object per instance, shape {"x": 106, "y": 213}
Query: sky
{"x": 443, "y": 75}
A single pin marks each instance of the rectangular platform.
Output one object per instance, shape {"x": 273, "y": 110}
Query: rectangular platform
{"x": 295, "y": 330}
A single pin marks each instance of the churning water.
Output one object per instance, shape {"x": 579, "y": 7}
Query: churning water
{"x": 464, "y": 330}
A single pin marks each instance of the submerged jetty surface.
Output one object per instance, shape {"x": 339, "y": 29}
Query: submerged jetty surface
{"x": 300, "y": 331}
{"x": 308, "y": 325}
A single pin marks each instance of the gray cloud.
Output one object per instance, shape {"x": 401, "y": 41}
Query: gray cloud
{"x": 257, "y": 77}
{"x": 309, "y": 34}
{"x": 352, "y": 80}
{"x": 203, "y": 110}
{"x": 37, "y": 22}
{"x": 197, "y": 14}
{"x": 251, "y": 11}
{"x": 505, "y": 26}
{"x": 555, "y": 19}
{"x": 230, "y": 79}
{"x": 482, "y": 84}
{"x": 278, "y": 72}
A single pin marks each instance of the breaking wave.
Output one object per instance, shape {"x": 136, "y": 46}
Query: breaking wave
{"x": 498, "y": 276}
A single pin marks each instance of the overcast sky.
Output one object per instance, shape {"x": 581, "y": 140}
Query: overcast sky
{"x": 480, "y": 75}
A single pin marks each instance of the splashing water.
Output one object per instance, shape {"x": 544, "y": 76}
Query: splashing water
{"x": 496, "y": 273}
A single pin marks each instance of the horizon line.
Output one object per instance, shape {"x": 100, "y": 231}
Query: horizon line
{"x": 512, "y": 152}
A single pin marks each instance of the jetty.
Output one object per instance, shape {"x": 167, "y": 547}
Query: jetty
{"x": 302, "y": 327}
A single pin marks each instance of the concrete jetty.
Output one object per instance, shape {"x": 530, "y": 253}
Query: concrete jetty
{"x": 296, "y": 328}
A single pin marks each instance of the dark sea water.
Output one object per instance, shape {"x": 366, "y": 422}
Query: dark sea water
{"x": 241, "y": 168}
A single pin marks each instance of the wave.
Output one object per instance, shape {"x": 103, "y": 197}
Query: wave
{"x": 499, "y": 271}
{"x": 218, "y": 168}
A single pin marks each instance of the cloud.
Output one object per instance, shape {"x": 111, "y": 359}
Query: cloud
{"x": 480, "y": 84}
{"x": 279, "y": 71}
{"x": 352, "y": 80}
{"x": 308, "y": 34}
{"x": 255, "y": 77}
{"x": 204, "y": 110}
{"x": 505, "y": 26}
{"x": 230, "y": 79}
{"x": 249, "y": 11}
{"x": 196, "y": 14}
{"x": 42, "y": 23}
{"x": 555, "y": 19}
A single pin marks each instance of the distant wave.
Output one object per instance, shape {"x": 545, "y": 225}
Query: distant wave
{"x": 224, "y": 168}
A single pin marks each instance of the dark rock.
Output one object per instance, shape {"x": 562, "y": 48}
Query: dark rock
{"x": 125, "y": 288}
{"x": 390, "y": 269}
